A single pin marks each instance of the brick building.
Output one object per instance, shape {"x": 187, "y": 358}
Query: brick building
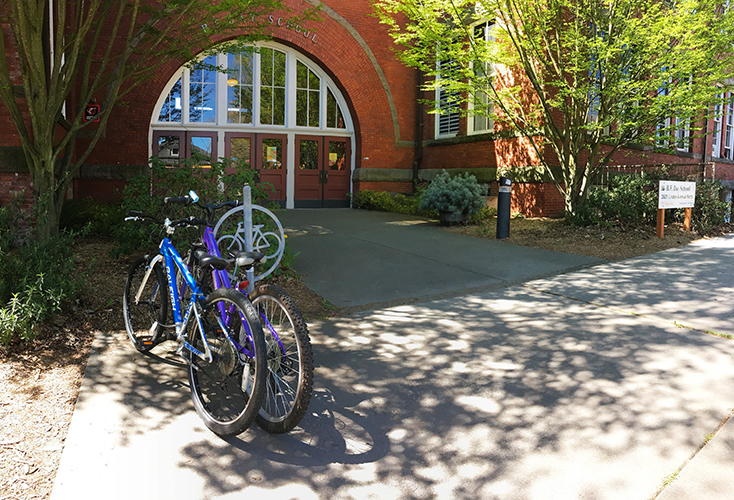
{"x": 324, "y": 109}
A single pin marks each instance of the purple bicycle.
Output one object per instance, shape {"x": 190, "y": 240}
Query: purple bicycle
{"x": 289, "y": 353}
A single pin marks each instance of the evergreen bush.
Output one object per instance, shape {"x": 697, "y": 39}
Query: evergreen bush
{"x": 454, "y": 194}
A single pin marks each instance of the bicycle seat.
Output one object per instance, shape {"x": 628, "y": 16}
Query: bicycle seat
{"x": 206, "y": 259}
{"x": 246, "y": 259}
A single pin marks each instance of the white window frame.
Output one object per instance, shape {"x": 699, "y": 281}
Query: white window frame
{"x": 729, "y": 130}
{"x": 221, "y": 121}
{"x": 716, "y": 135}
{"x": 683, "y": 135}
{"x": 490, "y": 69}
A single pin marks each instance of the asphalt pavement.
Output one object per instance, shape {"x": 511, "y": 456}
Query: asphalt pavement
{"x": 461, "y": 368}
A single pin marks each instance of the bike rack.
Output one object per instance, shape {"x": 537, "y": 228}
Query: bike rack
{"x": 246, "y": 209}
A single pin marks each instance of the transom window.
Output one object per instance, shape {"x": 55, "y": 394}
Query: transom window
{"x": 256, "y": 87}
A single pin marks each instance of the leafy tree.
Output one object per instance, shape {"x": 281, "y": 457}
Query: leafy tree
{"x": 579, "y": 79}
{"x": 97, "y": 50}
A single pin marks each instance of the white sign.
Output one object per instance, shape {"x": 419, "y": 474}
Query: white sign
{"x": 676, "y": 194}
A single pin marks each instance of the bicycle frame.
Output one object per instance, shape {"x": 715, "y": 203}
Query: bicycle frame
{"x": 172, "y": 260}
{"x": 221, "y": 280}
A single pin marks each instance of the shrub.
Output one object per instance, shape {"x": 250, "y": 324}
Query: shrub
{"x": 215, "y": 182}
{"x": 630, "y": 199}
{"x": 35, "y": 281}
{"x": 484, "y": 214}
{"x": 633, "y": 200}
{"x": 460, "y": 193}
{"x": 708, "y": 210}
{"x": 387, "y": 202}
{"x": 90, "y": 218}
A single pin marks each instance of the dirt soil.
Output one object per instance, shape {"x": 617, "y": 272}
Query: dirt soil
{"x": 39, "y": 382}
{"x": 611, "y": 243}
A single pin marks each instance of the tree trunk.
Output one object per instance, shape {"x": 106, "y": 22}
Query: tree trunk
{"x": 48, "y": 197}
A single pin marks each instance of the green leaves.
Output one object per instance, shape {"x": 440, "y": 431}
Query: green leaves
{"x": 592, "y": 76}
{"x": 460, "y": 193}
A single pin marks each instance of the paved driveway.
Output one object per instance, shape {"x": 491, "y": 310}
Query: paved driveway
{"x": 597, "y": 384}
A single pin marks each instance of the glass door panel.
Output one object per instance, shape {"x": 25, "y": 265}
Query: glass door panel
{"x": 239, "y": 148}
{"x": 202, "y": 145}
{"x": 167, "y": 146}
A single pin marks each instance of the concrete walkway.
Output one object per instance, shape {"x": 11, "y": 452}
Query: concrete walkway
{"x": 600, "y": 383}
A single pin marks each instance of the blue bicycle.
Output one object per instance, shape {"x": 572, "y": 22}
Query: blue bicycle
{"x": 219, "y": 334}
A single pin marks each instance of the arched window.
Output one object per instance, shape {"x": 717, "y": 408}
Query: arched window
{"x": 265, "y": 86}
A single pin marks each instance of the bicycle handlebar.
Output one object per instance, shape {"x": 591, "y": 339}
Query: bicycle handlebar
{"x": 181, "y": 200}
{"x": 188, "y": 221}
{"x": 211, "y": 207}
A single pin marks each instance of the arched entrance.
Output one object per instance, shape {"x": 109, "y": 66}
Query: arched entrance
{"x": 273, "y": 108}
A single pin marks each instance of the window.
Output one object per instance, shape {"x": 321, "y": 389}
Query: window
{"x": 202, "y": 91}
{"x": 251, "y": 88}
{"x": 334, "y": 118}
{"x": 171, "y": 109}
{"x": 682, "y": 134}
{"x": 272, "y": 87}
{"x": 308, "y": 96}
{"x": 240, "y": 84}
{"x": 716, "y": 135}
{"x": 729, "y": 130}
{"x": 683, "y": 126}
{"x": 447, "y": 122}
{"x": 664, "y": 124}
{"x": 480, "y": 120}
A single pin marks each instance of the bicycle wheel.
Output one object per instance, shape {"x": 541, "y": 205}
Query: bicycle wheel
{"x": 228, "y": 392}
{"x": 144, "y": 319}
{"x": 290, "y": 359}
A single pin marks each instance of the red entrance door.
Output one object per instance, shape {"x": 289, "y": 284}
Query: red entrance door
{"x": 270, "y": 160}
{"x": 264, "y": 152}
{"x": 322, "y": 172}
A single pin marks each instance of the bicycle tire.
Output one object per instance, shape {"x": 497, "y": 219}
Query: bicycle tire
{"x": 141, "y": 317}
{"x": 290, "y": 360}
{"x": 226, "y": 407}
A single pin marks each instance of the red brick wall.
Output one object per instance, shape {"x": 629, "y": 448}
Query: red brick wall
{"x": 339, "y": 54}
{"x": 12, "y": 183}
{"x": 100, "y": 190}
{"x": 391, "y": 187}
{"x": 541, "y": 199}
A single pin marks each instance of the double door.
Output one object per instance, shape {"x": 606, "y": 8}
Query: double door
{"x": 322, "y": 172}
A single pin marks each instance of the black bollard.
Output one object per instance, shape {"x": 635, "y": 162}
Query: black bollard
{"x": 503, "y": 208}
